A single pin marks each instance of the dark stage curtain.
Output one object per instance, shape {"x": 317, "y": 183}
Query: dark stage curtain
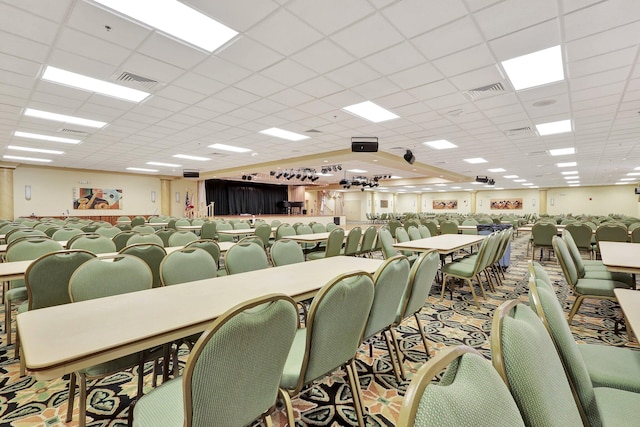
{"x": 242, "y": 197}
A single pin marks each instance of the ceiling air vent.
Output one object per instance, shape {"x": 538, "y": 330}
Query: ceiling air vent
{"x": 136, "y": 80}
{"x": 481, "y": 92}
{"x": 535, "y": 153}
{"x": 74, "y": 132}
{"x": 312, "y": 131}
{"x": 518, "y": 131}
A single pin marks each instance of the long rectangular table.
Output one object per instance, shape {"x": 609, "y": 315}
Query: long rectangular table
{"x": 629, "y": 300}
{"x": 444, "y": 243}
{"x": 620, "y": 256}
{"x": 62, "y": 339}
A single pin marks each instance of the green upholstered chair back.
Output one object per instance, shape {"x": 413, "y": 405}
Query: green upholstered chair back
{"x": 123, "y": 218}
{"x": 470, "y": 392}
{"x": 424, "y": 231}
{"x": 394, "y": 224}
{"x": 574, "y": 251}
{"x": 187, "y": 265}
{"x": 612, "y": 233}
{"x": 94, "y": 243}
{"x": 107, "y": 276}
{"x": 334, "y": 242}
{"x": 413, "y": 233}
{"x": 164, "y": 234}
{"x": 275, "y": 223}
{"x": 27, "y": 232}
{"x": 353, "y": 241}
{"x": 64, "y": 234}
{"x": 233, "y": 372}
{"x": 542, "y": 233}
{"x": 569, "y": 269}
{"x": 143, "y": 229}
{"x": 304, "y": 229}
{"x": 472, "y": 222}
{"x": 224, "y": 237}
{"x": 30, "y": 249}
{"x": 197, "y": 221}
{"x": 539, "y": 273}
{"x": 285, "y": 251}
{"x": 330, "y": 227}
{"x": 368, "y": 239}
{"x": 245, "y": 256}
{"x": 263, "y": 231}
{"x": 241, "y": 225}
{"x": 109, "y": 231}
{"x": 209, "y": 230}
{"x": 137, "y": 220}
{"x": 319, "y": 228}
{"x": 335, "y": 323}
{"x": 51, "y": 230}
{"x": 432, "y": 226}
{"x": 90, "y": 228}
{"x": 387, "y": 242}
{"x": 182, "y": 238}
{"x": 252, "y": 239}
{"x": 402, "y": 235}
{"x": 122, "y": 238}
{"x": 448, "y": 227}
{"x": 390, "y": 283}
{"x": 47, "y": 278}
{"x": 208, "y": 245}
{"x": 524, "y": 354}
{"x": 413, "y": 222}
{"x": 183, "y": 222}
{"x": 635, "y": 235}
{"x": 145, "y": 238}
{"x": 421, "y": 277}
{"x": 581, "y": 235}
{"x": 285, "y": 230}
{"x": 156, "y": 219}
{"x": 546, "y": 304}
{"x": 152, "y": 254}
{"x": 171, "y": 223}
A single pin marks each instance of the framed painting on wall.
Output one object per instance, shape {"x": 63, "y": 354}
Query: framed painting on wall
{"x": 97, "y": 198}
{"x": 502, "y": 204}
{"x": 445, "y": 204}
{"x": 384, "y": 203}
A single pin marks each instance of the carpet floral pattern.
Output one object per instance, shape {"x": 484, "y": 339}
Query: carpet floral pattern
{"x": 26, "y": 402}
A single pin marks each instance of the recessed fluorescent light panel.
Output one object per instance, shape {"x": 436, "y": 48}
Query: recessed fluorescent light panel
{"x": 566, "y": 164}
{"x": 169, "y": 165}
{"x": 370, "y": 111}
{"x": 34, "y": 150}
{"x": 142, "y": 170}
{"x": 475, "y": 160}
{"x": 562, "y": 151}
{"x": 188, "y": 157}
{"x": 284, "y": 134}
{"x": 495, "y": 170}
{"x": 357, "y": 171}
{"x": 510, "y": 176}
{"x": 177, "y": 20}
{"x": 633, "y": 174}
{"x": 30, "y": 112}
{"x": 45, "y": 137}
{"x": 570, "y": 173}
{"x": 229, "y": 148}
{"x": 552, "y": 128}
{"x": 90, "y": 84}
{"x": 577, "y": 177}
{"x": 520, "y": 180}
{"x": 535, "y": 69}
{"x": 628, "y": 179}
{"x": 441, "y": 144}
{"x": 26, "y": 159}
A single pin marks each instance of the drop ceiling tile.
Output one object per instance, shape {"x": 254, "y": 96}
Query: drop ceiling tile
{"x": 91, "y": 47}
{"x": 289, "y": 72}
{"x": 323, "y": 15}
{"x": 367, "y": 36}
{"x": 319, "y": 87}
{"x": 394, "y": 59}
{"x": 416, "y": 76}
{"x": 432, "y": 90}
{"x": 323, "y": 56}
{"x": 376, "y": 89}
{"x": 413, "y": 17}
{"x": 240, "y": 15}
{"x": 284, "y": 32}
{"x": 465, "y": 61}
{"x": 453, "y": 37}
{"x": 528, "y": 40}
{"x": 508, "y": 17}
{"x": 166, "y": 49}
{"x": 600, "y": 17}
{"x": 596, "y": 79}
{"x": 260, "y": 85}
{"x": 249, "y": 54}
{"x": 23, "y": 48}
{"x": 352, "y": 74}
{"x": 27, "y": 25}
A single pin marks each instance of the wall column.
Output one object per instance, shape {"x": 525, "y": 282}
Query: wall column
{"x": 542, "y": 209}
{"x": 6, "y": 193}
{"x": 165, "y": 196}
{"x": 419, "y": 203}
{"x": 472, "y": 202}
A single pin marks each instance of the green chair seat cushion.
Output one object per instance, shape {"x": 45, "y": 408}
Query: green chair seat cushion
{"x": 617, "y": 407}
{"x": 291, "y": 371}
{"x": 23, "y": 307}
{"x": 16, "y": 294}
{"x": 608, "y": 275}
{"x": 598, "y": 287}
{"x": 461, "y": 269}
{"x": 316, "y": 255}
{"x": 162, "y": 406}
{"x": 611, "y": 366}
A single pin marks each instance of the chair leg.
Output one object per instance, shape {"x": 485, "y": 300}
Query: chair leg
{"x": 422, "y": 334}
{"x": 72, "y": 396}
{"x": 444, "y": 285}
{"x": 268, "y": 422}
{"x": 356, "y": 393}
{"x": 473, "y": 292}
{"x": 392, "y": 358}
{"x": 574, "y": 309}
{"x": 288, "y": 406}
{"x": 7, "y": 319}
{"x": 396, "y": 346}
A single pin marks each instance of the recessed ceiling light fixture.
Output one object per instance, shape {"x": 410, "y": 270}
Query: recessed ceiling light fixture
{"x": 284, "y": 134}
{"x": 169, "y": 165}
{"x": 34, "y": 150}
{"x": 510, "y": 176}
{"x": 495, "y": 170}
{"x": 230, "y": 148}
{"x": 441, "y": 144}
{"x": 520, "y": 180}
{"x": 90, "y": 84}
{"x": 574, "y": 177}
{"x": 142, "y": 170}
{"x": 177, "y": 20}
{"x": 370, "y": 111}
{"x": 569, "y": 173}
{"x": 535, "y": 69}
{"x": 566, "y": 164}
{"x": 628, "y": 179}
{"x": 562, "y": 151}
{"x": 553, "y": 128}
{"x": 188, "y": 157}
{"x": 475, "y": 160}
{"x": 633, "y": 174}
{"x": 45, "y": 137}
{"x": 30, "y": 112}
{"x": 573, "y": 182}
{"x": 26, "y": 159}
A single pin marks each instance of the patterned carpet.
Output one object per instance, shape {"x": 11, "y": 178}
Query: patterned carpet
{"x": 28, "y": 402}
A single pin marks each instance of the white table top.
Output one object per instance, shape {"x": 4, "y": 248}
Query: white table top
{"x": 240, "y": 232}
{"x": 62, "y": 339}
{"x": 187, "y": 227}
{"x": 629, "y": 301}
{"x": 444, "y": 243}
{"x": 621, "y": 256}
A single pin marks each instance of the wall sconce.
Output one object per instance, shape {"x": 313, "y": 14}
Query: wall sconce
{"x": 480, "y": 202}
{"x": 177, "y": 197}
{"x": 533, "y": 202}
{"x": 551, "y": 201}
{"x": 153, "y": 197}
{"x": 27, "y": 192}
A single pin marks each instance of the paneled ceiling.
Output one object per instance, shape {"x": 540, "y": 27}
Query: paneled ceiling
{"x": 295, "y": 64}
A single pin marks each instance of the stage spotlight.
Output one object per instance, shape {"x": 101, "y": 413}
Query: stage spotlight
{"x": 335, "y": 169}
{"x": 409, "y": 157}
{"x": 288, "y": 177}
{"x": 244, "y": 177}
{"x": 249, "y": 177}
{"x": 339, "y": 168}
{"x": 303, "y": 177}
{"x": 298, "y": 175}
{"x": 343, "y": 182}
{"x": 279, "y": 175}
{"x": 272, "y": 173}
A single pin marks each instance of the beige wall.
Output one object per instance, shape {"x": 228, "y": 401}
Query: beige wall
{"x": 52, "y": 191}
{"x": 530, "y": 201}
{"x": 179, "y": 188}
{"x": 619, "y": 199}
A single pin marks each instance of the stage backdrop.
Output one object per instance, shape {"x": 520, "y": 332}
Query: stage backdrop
{"x": 243, "y": 197}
